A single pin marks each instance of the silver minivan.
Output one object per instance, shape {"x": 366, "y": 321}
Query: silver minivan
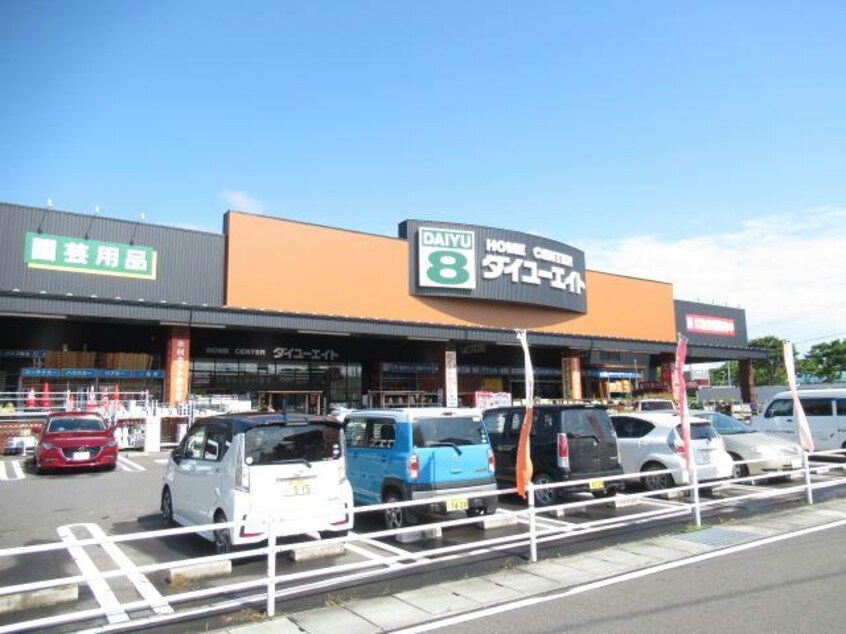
{"x": 825, "y": 410}
{"x": 253, "y": 468}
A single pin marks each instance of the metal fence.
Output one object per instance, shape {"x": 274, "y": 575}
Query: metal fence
{"x": 534, "y": 524}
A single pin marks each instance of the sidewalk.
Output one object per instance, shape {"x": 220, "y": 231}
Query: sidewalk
{"x": 405, "y": 609}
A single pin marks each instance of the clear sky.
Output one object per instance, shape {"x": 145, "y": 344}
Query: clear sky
{"x": 700, "y": 143}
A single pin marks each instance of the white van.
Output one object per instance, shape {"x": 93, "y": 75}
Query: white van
{"x": 825, "y": 410}
{"x": 252, "y": 468}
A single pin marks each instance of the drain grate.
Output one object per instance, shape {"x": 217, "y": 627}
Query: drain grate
{"x": 718, "y": 537}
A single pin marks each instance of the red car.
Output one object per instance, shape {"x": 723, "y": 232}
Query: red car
{"x": 73, "y": 440}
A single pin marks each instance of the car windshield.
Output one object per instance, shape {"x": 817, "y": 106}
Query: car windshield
{"x": 448, "y": 430}
{"x": 76, "y": 423}
{"x": 728, "y": 426}
{"x": 275, "y": 444}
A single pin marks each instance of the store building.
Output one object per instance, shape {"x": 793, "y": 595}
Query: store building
{"x": 302, "y": 317}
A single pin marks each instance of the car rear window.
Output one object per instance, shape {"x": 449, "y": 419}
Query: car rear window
{"x": 657, "y": 406}
{"x": 76, "y": 423}
{"x": 276, "y": 444}
{"x": 699, "y": 431}
{"x": 448, "y": 430}
{"x": 587, "y": 423}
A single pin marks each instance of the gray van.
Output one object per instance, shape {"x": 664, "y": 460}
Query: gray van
{"x": 568, "y": 442}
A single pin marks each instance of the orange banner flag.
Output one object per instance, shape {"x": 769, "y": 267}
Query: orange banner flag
{"x": 525, "y": 468}
{"x": 524, "y": 454}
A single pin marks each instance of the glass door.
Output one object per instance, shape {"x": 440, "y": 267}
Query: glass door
{"x": 292, "y": 401}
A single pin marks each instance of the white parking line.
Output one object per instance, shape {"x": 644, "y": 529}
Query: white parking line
{"x": 127, "y": 465}
{"x": 99, "y": 587}
{"x": 389, "y": 548}
{"x": 17, "y": 472}
{"x": 369, "y": 554}
{"x": 145, "y": 588}
{"x": 161, "y": 460}
{"x": 17, "y": 467}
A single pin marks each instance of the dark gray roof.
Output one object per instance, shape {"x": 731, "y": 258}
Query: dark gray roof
{"x": 85, "y": 308}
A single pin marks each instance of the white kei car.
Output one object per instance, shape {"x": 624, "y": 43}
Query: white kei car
{"x": 255, "y": 468}
{"x": 651, "y": 441}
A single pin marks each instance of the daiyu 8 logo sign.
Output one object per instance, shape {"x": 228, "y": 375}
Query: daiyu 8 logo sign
{"x": 446, "y": 258}
{"x": 473, "y": 262}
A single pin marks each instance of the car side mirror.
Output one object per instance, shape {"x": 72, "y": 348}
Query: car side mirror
{"x": 176, "y": 455}
{"x": 36, "y": 429}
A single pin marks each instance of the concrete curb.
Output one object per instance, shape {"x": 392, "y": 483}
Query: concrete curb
{"x": 186, "y": 574}
{"x": 38, "y": 598}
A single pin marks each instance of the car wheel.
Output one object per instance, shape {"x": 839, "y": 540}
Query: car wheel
{"x": 395, "y": 517}
{"x": 222, "y": 536}
{"x": 738, "y": 470}
{"x": 656, "y": 481}
{"x": 544, "y": 497}
{"x": 167, "y": 508}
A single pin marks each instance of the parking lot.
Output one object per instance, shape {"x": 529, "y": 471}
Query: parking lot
{"x": 69, "y": 507}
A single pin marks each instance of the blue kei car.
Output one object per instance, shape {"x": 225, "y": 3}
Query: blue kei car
{"x": 419, "y": 454}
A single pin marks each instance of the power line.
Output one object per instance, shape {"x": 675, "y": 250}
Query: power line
{"x": 835, "y": 334}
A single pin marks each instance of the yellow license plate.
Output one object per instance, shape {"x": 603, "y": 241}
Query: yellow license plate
{"x": 597, "y": 485}
{"x": 459, "y": 504}
{"x": 297, "y": 487}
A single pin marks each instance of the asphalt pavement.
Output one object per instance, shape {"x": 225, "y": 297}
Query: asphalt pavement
{"x": 449, "y": 604}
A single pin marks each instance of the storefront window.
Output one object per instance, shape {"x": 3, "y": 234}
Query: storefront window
{"x": 247, "y": 367}
{"x": 225, "y": 369}
{"x": 339, "y": 383}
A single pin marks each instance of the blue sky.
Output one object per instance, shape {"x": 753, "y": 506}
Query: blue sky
{"x": 694, "y": 142}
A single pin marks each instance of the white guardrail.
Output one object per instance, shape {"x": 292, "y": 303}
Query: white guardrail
{"x": 535, "y": 525}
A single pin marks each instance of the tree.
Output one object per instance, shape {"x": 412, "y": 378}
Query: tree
{"x": 826, "y": 361}
{"x": 726, "y": 374}
{"x": 770, "y": 371}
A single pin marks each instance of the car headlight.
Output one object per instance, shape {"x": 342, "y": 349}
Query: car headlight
{"x": 47, "y": 445}
{"x": 111, "y": 443}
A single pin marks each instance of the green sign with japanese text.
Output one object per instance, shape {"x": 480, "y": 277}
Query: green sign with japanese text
{"x": 62, "y": 253}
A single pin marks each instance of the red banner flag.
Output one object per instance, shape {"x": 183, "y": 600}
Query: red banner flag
{"x": 524, "y": 454}
{"x": 681, "y": 396}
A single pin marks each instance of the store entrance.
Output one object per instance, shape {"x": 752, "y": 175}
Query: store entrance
{"x": 292, "y": 401}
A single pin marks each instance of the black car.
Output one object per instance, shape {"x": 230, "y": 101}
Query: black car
{"x": 568, "y": 442}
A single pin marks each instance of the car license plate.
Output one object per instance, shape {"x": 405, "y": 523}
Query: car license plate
{"x": 81, "y": 455}
{"x": 297, "y": 487}
{"x": 704, "y": 457}
{"x": 597, "y": 485}
{"x": 457, "y": 504}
